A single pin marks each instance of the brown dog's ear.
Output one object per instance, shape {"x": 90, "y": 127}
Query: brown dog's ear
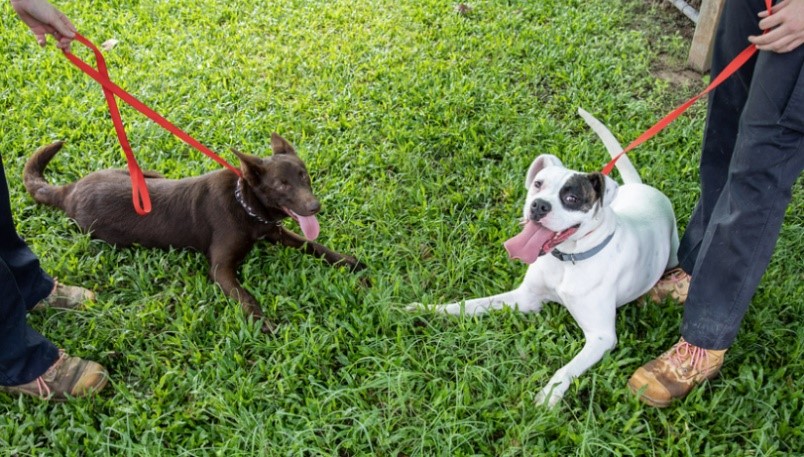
{"x": 249, "y": 165}
{"x": 280, "y": 146}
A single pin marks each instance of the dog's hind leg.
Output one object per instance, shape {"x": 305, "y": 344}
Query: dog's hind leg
{"x": 673, "y": 261}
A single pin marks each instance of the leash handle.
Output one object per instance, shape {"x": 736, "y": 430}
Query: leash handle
{"x": 730, "y": 69}
{"x": 139, "y": 189}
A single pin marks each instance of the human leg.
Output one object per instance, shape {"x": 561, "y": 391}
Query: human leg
{"x": 24, "y": 353}
{"x": 725, "y": 105}
{"x": 742, "y": 233}
{"x": 729, "y": 242}
{"x": 29, "y": 363}
{"x": 746, "y": 220}
{"x": 23, "y": 266}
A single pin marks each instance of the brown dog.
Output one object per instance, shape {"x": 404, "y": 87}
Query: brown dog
{"x": 217, "y": 213}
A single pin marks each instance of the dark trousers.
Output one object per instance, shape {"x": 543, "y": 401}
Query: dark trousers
{"x": 753, "y": 153}
{"x": 24, "y": 353}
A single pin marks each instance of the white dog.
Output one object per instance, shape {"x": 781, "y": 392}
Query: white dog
{"x": 607, "y": 246}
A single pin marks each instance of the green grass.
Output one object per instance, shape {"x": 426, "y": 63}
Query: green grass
{"x": 417, "y": 124}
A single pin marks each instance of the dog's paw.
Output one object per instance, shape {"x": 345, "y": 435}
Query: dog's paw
{"x": 547, "y": 398}
{"x": 351, "y": 263}
{"x": 553, "y": 392}
{"x": 452, "y": 308}
{"x": 267, "y": 327}
{"x": 358, "y": 265}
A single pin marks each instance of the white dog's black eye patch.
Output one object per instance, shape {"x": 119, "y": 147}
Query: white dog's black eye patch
{"x": 581, "y": 192}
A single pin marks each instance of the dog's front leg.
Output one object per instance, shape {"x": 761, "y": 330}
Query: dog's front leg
{"x": 293, "y": 240}
{"x": 519, "y": 298}
{"x": 597, "y": 323}
{"x": 223, "y": 270}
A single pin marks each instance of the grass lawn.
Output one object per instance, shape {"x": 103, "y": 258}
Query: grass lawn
{"x": 417, "y": 124}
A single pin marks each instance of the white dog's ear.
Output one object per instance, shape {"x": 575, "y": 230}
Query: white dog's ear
{"x": 605, "y": 188}
{"x": 538, "y": 164}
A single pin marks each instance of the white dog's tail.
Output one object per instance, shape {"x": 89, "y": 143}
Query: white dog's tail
{"x": 627, "y": 171}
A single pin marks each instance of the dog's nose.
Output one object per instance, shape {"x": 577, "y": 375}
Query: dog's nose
{"x": 313, "y": 206}
{"x": 539, "y": 208}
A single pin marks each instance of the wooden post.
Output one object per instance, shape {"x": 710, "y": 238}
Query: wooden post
{"x": 700, "y": 56}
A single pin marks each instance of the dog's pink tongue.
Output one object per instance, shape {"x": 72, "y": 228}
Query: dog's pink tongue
{"x": 527, "y": 246}
{"x": 309, "y": 226}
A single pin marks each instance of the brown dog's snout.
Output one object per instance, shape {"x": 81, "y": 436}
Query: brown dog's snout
{"x": 539, "y": 208}
{"x": 313, "y": 206}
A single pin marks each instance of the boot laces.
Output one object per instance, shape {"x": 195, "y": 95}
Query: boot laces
{"x": 674, "y": 276}
{"x": 697, "y": 357}
{"x": 41, "y": 384}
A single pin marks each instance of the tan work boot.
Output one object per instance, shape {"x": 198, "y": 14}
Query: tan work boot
{"x": 71, "y": 376}
{"x": 65, "y": 297}
{"x": 675, "y": 373}
{"x": 674, "y": 283}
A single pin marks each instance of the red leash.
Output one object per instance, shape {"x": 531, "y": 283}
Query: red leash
{"x": 732, "y": 67}
{"x": 139, "y": 190}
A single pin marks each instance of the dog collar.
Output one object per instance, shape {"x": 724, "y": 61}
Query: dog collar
{"x": 246, "y": 207}
{"x": 573, "y": 257}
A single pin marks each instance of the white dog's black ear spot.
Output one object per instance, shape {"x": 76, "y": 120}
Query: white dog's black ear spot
{"x": 539, "y": 164}
{"x": 598, "y": 182}
{"x": 605, "y": 188}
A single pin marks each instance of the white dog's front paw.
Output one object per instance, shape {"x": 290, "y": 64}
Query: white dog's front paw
{"x": 548, "y": 398}
{"x": 553, "y": 392}
{"x": 452, "y": 308}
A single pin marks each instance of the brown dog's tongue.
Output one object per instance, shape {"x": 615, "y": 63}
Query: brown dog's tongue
{"x": 309, "y": 226}
{"x": 528, "y": 245}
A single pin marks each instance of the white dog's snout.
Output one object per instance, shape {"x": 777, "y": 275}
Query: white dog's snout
{"x": 539, "y": 208}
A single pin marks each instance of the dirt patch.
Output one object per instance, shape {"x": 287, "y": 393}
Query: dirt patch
{"x": 678, "y": 75}
{"x": 671, "y": 21}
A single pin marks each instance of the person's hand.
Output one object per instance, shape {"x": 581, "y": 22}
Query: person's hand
{"x": 785, "y": 27}
{"x": 43, "y": 19}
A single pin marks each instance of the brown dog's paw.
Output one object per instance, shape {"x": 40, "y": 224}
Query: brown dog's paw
{"x": 357, "y": 265}
{"x": 365, "y": 281}
{"x": 268, "y": 327}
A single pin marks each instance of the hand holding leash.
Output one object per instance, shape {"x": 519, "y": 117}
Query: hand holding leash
{"x": 44, "y": 19}
{"x": 783, "y": 26}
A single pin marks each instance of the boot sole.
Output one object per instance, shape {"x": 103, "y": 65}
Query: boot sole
{"x": 647, "y": 399}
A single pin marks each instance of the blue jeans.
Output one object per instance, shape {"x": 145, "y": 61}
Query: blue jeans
{"x": 24, "y": 353}
{"x": 753, "y": 153}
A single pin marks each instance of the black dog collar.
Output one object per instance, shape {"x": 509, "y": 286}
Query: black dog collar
{"x": 573, "y": 257}
{"x": 248, "y": 209}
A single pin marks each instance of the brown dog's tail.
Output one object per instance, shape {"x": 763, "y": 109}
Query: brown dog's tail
{"x": 34, "y": 179}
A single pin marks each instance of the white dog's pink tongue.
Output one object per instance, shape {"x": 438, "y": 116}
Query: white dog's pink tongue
{"x": 527, "y": 246}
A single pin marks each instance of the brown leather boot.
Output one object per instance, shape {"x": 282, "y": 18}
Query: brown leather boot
{"x": 65, "y": 297}
{"x": 71, "y": 376}
{"x": 674, "y": 283}
{"x": 675, "y": 373}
